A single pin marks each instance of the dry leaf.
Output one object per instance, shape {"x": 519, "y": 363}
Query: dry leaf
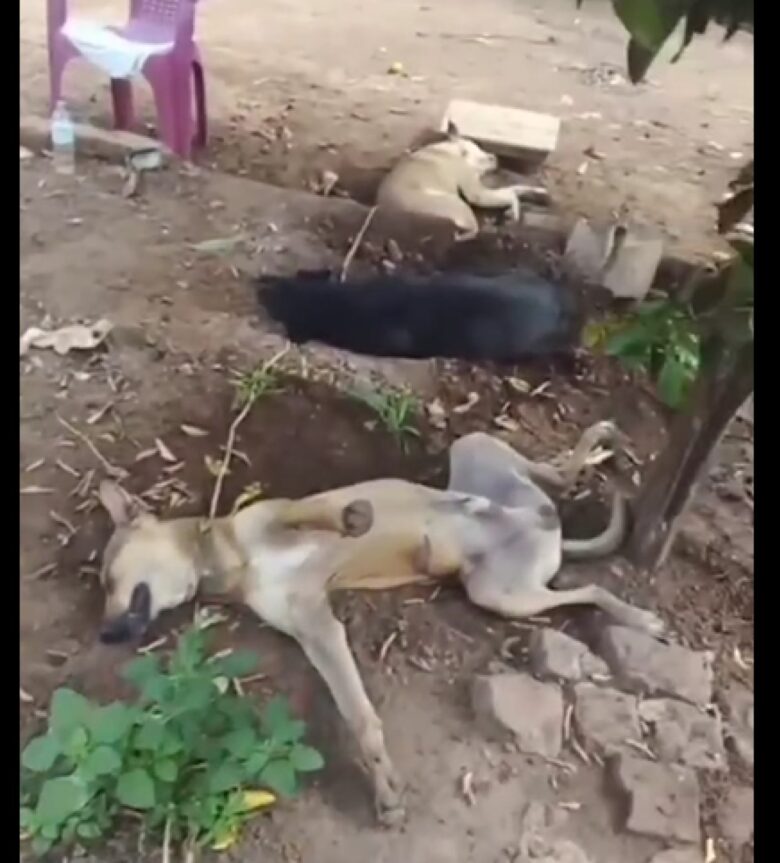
{"x": 75, "y": 337}
{"x": 214, "y": 465}
{"x": 328, "y": 180}
{"x": 193, "y": 431}
{"x": 250, "y": 494}
{"x": 165, "y": 453}
{"x": 25, "y": 697}
{"x": 506, "y": 423}
{"x": 467, "y": 787}
{"x": 219, "y": 245}
{"x": 35, "y": 489}
{"x": 519, "y": 385}
{"x": 131, "y": 184}
{"x": 462, "y": 408}
{"x": 437, "y": 416}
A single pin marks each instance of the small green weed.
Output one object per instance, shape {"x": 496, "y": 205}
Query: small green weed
{"x": 660, "y": 338}
{"x": 396, "y": 411}
{"x": 186, "y": 757}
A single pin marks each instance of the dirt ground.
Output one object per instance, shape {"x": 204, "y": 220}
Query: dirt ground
{"x": 297, "y": 87}
{"x": 184, "y": 320}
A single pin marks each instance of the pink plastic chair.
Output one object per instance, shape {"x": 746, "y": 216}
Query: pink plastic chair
{"x": 171, "y": 75}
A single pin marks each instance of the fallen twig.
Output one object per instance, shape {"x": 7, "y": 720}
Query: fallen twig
{"x": 111, "y": 469}
{"x": 224, "y": 463}
{"x": 356, "y": 244}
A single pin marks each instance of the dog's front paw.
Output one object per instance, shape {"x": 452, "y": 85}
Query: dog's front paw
{"x": 357, "y": 518}
{"x": 390, "y": 808}
{"x": 514, "y": 209}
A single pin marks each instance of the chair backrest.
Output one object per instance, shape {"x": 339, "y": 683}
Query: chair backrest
{"x": 165, "y": 12}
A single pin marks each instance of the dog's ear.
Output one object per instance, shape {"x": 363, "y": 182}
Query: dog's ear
{"x": 453, "y": 133}
{"x": 117, "y": 503}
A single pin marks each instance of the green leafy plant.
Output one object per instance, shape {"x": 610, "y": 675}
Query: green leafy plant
{"x": 396, "y": 412}
{"x": 662, "y": 339}
{"x": 650, "y": 23}
{"x": 186, "y": 757}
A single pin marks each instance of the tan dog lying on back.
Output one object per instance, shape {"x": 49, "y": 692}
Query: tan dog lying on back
{"x": 494, "y": 528}
{"x": 444, "y": 180}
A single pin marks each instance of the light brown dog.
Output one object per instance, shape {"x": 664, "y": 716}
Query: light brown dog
{"x": 493, "y": 527}
{"x": 445, "y": 180}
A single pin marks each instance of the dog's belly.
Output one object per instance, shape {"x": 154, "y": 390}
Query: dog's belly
{"x": 276, "y": 577}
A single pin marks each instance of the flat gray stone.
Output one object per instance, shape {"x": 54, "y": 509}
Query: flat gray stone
{"x": 625, "y": 263}
{"x": 518, "y": 704}
{"x": 662, "y": 799}
{"x": 736, "y": 815}
{"x": 555, "y": 654}
{"x": 741, "y": 723}
{"x": 643, "y": 664}
{"x": 605, "y": 718}
{"x": 684, "y": 734}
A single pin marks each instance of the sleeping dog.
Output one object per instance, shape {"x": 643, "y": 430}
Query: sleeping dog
{"x": 493, "y": 528}
{"x": 445, "y": 180}
{"x": 504, "y": 318}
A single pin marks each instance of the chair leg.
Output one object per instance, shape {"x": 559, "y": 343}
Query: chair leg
{"x": 201, "y": 117}
{"x": 122, "y": 99}
{"x": 165, "y": 105}
{"x": 182, "y": 88}
{"x": 56, "y": 70}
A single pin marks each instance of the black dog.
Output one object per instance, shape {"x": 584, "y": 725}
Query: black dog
{"x": 505, "y": 318}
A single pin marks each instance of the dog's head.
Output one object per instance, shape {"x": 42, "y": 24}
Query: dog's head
{"x": 146, "y": 568}
{"x": 472, "y": 154}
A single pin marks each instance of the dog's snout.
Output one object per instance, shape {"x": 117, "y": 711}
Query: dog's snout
{"x": 117, "y": 631}
{"x": 131, "y": 624}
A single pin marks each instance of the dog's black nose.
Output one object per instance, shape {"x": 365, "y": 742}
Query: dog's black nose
{"x": 117, "y": 631}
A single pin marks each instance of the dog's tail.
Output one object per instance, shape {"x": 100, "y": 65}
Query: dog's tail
{"x": 605, "y": 543}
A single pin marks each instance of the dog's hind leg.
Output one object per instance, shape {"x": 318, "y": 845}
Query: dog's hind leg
{"x": 517, "y": 603}
{"x": 324, "y": 512}
{"x": 494, "y": 199}
{"x": 324, "y": 641}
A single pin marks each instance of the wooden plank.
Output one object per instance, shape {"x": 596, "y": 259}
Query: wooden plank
{"x": 510, "y": 132}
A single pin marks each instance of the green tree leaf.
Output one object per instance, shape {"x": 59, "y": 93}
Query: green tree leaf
{"x": 255, "y": 763}
{"x": 68, "y": 710}
{"x": 102, "y": 761}
{"x": 237, "y": 664}
{"x": 674, "y": 380}
{"x": 650, "y": 22}
{"x": 150, "y": 735}
{"x": 280, "y": 777}
{"x": 74, "y": 741}
{"x": 110, "y": 723}
{"x": 275, "y": 716}
{"x": 135, "y": 789}
{"x": 166, "y": 770}
{"x": 26, "y": 817}
{"x": 141, "y": 670}
{"x": 88, "y": 830}
{"x": 59, "y": 799}
{"x": 240, "y": 742}
{"x": 227, "y": 776}
{"x": 40, "y": 754}
{"x": 306, "y": 759}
